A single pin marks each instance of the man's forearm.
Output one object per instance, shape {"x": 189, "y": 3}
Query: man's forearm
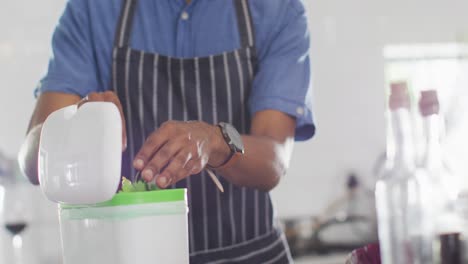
{"x": 28, "y": 155}
{"x": 264, "y": 163}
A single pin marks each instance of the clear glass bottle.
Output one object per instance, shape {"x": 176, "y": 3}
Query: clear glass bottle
{"x": 396, "y": 201}
{"x": 438, "y": 189}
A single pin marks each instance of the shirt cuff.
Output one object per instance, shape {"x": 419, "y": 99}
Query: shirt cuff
{"x": 305, "y": 127}
{"x": 53, "y": 85}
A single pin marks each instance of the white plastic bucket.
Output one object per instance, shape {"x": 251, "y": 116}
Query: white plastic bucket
{"x": 140, "y": 227}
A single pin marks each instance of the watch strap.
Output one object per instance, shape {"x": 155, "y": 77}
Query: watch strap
{"x": 234, "y": 153}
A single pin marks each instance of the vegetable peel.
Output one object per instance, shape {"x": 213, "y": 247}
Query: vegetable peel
{"x": 139, "y": 186}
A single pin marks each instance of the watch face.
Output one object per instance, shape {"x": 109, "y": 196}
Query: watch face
{"x": 235, "y": 137}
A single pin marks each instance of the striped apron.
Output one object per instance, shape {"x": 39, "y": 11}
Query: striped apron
{"x": 234, "y": 227}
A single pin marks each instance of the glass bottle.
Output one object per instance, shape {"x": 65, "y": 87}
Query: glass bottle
{"x": 396, "y": 201}
{"x": 438, "y": 188}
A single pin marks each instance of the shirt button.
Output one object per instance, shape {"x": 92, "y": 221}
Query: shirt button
{"x": 300, "y": 111}
{"x": 184, "y": 16}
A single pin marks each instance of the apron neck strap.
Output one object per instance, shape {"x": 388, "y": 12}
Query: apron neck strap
{"x": 244, "y": 20}
{"x": 122, "y": 35}
{"x": 245, "y": 24}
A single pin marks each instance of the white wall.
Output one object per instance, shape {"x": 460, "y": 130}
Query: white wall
{"x": 347, "y": 44}
{"x": 25, "y": 32}
{"x": 348, "y": 38}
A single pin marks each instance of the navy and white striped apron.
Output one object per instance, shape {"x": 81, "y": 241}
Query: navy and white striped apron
{"x": 234, "y": 227}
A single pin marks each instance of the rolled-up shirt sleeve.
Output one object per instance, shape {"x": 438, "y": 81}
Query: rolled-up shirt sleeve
{"x": 72, "y": 66}
{"x": 283, "y": 79}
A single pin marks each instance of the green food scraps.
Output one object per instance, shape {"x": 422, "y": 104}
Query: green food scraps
{"x": 127, "y": 186}
{"x": 139, "y": 186}
{"x": 152, "y": 187}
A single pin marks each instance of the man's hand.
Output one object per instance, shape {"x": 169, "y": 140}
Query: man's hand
{"x": 111, "y": 97}
{"x": 180, "y": 149}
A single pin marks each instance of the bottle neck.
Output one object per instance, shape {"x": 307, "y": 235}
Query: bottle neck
{"x": 432, "y": 157}
{"x": 400, "y": 147}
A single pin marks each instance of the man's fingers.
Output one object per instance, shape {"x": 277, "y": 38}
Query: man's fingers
{"x": 91, "y": 97}
{"x": 153, "y": 143}
{"x": 194, "y": 166}
{"x": 82, "y": 101}
{"x": 174, "y": 172}
{"x": 161, "y": 158}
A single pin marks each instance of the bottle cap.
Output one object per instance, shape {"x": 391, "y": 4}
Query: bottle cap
{"x": 399, "y": 97}
{"x": 429, "y": 103}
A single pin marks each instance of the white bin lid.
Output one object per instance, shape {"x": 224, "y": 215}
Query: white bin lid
{"x": 137, "y": 198}
{"x": 130, "y": 205}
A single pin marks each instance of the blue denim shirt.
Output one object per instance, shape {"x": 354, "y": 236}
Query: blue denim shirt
{"x": 83, "y": 39}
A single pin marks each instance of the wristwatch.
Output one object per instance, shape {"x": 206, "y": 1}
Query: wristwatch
{"x": 234, "y": 141}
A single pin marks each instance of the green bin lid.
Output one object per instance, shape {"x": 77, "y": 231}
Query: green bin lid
{"x": 134, "y": 198}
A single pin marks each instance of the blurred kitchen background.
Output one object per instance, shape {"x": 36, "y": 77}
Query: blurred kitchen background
{"x": 326, "y": 201}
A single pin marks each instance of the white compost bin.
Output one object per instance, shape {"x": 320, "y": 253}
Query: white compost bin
{"x": 140, "y": 227}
